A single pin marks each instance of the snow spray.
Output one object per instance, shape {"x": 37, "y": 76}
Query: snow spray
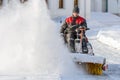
{"x": 30, "y": 41}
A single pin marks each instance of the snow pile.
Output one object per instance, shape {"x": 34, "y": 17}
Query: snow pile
{"x": 30, "y": 42}
{"x": 85, "y": 58}
{"x": 110, "y": 36}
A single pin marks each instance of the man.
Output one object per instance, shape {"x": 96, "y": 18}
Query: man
{"x": 70, "y": 25}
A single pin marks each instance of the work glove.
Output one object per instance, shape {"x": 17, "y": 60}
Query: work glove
{"x": 73, "y": 27}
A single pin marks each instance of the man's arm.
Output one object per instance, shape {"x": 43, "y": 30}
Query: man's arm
{"x": 84, "y": 24}
{"x": 63, "y": 27}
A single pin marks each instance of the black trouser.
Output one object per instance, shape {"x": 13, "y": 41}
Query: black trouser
{"x": 70, "y": 37}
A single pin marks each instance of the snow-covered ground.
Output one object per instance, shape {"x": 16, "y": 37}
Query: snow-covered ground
{"x": 32, "y": 49}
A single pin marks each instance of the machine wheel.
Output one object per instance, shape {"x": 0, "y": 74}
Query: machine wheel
{"x": 84, "y": 46}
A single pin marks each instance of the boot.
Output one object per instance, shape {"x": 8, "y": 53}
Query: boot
{"x": 72, "y": 45}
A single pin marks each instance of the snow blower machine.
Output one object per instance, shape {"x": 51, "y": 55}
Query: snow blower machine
{"x": 83, "y": 53}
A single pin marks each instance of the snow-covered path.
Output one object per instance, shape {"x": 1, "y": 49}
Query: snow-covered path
{"x": 106, "y": 19}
